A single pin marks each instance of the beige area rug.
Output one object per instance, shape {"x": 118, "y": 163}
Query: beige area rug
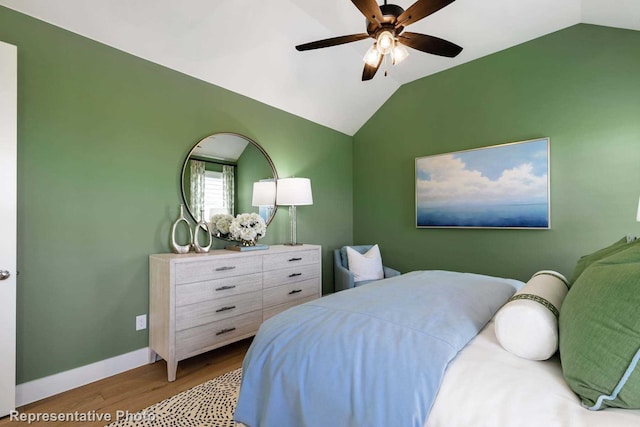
{"x": 210, "y": 404}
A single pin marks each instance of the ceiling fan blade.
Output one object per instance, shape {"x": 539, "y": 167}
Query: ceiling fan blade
{"x": 370, "y": 71}
{"x": 334, "y": 41}
{"x": 370, "y": 10}
{"x": 429, "y": 44}
{"x": 419, "y": 10}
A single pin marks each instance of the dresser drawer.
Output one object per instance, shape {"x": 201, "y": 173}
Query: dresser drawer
{"x": 291, "y": 259}
{"x": 190, "y": 342}
{"x": 191, "y": 293}
{"x": 290, "y": 274}
{"x": 213, "y": 268}
{"x": 272, "y": 311}
{"x": 290, "y": 292}
{"x": 201, "y": 313}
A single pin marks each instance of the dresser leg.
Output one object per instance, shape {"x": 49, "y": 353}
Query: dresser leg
{"x": 172, "y": 367}
{"x": 153, "y": 356}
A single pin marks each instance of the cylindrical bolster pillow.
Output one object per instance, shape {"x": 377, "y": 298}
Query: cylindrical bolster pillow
{"x": 527, "y": 325}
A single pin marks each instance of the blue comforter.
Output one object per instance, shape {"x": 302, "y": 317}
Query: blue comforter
{"x": 370, "y": 356}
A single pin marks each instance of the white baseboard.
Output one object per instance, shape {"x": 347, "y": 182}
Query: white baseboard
{"x": 48, "y": 386}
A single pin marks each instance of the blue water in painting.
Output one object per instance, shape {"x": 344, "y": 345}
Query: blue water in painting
{"x": 532, "y": 215}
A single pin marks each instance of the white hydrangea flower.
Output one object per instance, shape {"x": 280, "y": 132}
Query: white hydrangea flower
{"x": 247, "y": 228}
{"x": 220, "y": 223}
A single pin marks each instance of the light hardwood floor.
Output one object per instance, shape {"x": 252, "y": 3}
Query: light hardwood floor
{"x": 138, "y": 388}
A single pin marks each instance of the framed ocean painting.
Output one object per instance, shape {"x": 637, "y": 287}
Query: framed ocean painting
{"x": 502, "y": 186}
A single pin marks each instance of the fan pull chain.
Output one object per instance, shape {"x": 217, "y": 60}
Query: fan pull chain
{"x": 385, "y": 65}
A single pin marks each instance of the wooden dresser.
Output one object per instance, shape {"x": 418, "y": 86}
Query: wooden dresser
{"x": 198, "y": 302}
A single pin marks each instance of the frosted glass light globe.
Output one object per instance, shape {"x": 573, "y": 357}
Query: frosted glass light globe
{"x": 386, "y": 42}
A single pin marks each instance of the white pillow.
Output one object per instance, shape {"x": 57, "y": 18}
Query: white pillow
{"x": 527, "y": 325}
{"x": 366, "y": 266}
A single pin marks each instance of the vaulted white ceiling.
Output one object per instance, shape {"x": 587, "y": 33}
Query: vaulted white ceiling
{"x": 247, "y": 46}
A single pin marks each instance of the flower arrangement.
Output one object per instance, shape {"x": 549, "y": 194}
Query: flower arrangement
{"x": 220, "y": 223}
{"x": 247, "y": 228}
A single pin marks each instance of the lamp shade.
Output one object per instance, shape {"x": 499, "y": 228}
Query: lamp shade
{"x": 638, "y": 214}
{"x": 264, "y": 193}
{"x": 294, "y": 192}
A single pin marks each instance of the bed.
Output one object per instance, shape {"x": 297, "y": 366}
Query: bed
{"x": 488, "y": 386}
{"x": 414, "y": 350}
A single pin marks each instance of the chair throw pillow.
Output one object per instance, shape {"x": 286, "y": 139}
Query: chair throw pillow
{"x": 367, "y": 266}
{"x": 600, "y": 332}
{"x": 527, "y": 325}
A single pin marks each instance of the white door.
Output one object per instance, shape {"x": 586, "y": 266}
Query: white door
{"x": 8, "y": 157}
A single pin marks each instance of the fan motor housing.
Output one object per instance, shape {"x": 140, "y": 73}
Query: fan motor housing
{"x": 390, "y": 13}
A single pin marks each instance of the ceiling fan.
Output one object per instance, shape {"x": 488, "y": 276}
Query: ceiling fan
{"x": 385, "y": 24}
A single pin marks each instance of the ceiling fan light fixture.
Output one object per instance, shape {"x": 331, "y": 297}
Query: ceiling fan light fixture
{"x": 385, "y": 42}
{"x": 385, "y": 23}
{"x": 399, "y": 54}
{"x": 372, "y": 57}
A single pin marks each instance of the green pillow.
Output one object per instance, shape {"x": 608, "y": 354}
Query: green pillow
{"x": 600, "y": 332}
{"x": 586, "y": 260}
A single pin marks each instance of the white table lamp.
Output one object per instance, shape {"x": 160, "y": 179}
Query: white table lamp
{"x": 293, "y": 192}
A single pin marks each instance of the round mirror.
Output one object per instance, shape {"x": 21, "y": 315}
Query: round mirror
{"x": 227, "y": 173}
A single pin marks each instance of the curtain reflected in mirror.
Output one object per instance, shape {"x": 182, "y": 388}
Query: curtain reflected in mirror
{"x": 219, "y": 177}
{"x": 228, "y": 190}
{"x": 197, "y": 187}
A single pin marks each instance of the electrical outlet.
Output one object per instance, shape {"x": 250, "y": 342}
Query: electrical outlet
{"x": 141, "y": 322}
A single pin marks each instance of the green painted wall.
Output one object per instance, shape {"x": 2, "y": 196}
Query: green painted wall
{"x": 579, "y": 86}
{"x": 101, "y": 140}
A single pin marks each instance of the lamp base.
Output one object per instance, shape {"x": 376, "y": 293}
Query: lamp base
{"x": 294, "y": 244}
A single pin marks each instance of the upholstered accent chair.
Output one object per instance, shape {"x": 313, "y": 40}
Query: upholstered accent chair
{"x": 343, "y": 278}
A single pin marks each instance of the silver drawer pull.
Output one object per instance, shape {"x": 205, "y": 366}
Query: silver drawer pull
{"x": 224, "y": 288}
{"x": 225, "y": 331}
{"x": 295, "y": 291}
{"x": 225, "y": 268}
{"x": 295, "y": 274}
{"x": 295, "y": 259}
{"x": 225, "y": 308}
